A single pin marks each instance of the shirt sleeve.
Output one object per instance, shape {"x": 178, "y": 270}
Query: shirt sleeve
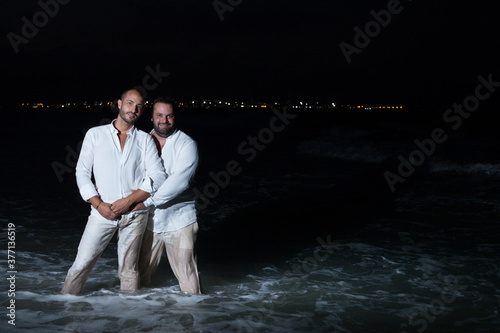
{"x": 154, "y": 168}
{"x": 185, "y": 168}
{"x": 84, "y": 168}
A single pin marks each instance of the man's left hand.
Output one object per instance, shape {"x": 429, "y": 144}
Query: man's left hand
{"x": 121, "y": 206}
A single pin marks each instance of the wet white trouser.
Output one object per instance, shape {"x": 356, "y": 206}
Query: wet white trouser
{"x": 95, "y": 238}
{"x": 179, "y": 246}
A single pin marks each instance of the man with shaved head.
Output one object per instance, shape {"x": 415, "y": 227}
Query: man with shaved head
{"x": 126, "y": 168}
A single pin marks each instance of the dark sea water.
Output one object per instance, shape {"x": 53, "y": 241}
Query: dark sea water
{"x": 305, "y": 236}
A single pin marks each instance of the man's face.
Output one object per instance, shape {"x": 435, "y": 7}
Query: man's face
{"x": 163, "y": 119}
{"x": 131, "y": 107}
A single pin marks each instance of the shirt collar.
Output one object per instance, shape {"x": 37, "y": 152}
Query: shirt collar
{"x": 113, "y": 129}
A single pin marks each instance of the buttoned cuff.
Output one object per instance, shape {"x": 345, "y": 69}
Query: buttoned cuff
{"x": 149, "y": 202}
{"x": 147, "y": 186}
{"x": 88, "y": 191}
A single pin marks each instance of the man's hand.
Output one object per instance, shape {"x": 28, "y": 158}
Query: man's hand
{"x": 105, "y": 210}
{"x": 139, "y": 206}
{"x": 121, "y": 206}
{"x": 135, "y": 200}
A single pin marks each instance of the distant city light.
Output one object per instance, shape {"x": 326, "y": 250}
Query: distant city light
{"x": 217, "y": 103}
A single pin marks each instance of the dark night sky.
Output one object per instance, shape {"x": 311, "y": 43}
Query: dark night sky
{"x": 430, "y": 53}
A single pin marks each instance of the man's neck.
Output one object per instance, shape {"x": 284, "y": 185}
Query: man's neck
{"x": 121, "y": 125}
{"x": 161, "y": 140}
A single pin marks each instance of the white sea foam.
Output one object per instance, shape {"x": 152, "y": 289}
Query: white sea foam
{"x": 357, "y": 278}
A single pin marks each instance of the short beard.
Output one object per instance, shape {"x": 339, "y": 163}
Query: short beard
{"x": 166, "y": 133}
{"x": 123, "y": 115}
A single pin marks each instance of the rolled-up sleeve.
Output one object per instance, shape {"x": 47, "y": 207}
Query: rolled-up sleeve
{"x": 84, "y": 168}
{"x": 178, "y": 180}
{"x": 154, "y": 168}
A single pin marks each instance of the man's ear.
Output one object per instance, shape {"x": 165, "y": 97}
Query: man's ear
{"x": 119, "y": 103}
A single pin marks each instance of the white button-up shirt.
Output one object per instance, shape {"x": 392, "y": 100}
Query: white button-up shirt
{"x": 117, "y": 173}
{"x": 174, "y": 200}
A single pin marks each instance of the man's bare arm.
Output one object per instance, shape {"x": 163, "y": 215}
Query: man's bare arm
{"x": 121, "y": 206}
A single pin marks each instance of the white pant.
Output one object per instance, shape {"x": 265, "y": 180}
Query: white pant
{"x": 179, "y": 246}
{"x": 95, "y": 238}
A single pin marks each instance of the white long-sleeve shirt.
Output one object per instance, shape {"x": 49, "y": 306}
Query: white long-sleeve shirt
{"x": 117, "y": 173}
{"x": 174, "y": 206}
